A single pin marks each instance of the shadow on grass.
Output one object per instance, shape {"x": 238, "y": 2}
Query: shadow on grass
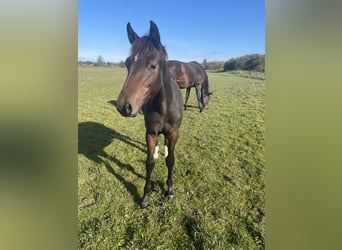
{"x": 113, "y": 102}
{"x": 192, "y": 228}
{"x": 191, "y": 106}
{"x": 93, "y": 138}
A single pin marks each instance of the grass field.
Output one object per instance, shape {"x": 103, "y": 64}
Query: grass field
{"x": 219, "y": 173}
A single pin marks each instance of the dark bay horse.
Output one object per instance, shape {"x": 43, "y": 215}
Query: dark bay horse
{"x": 150, "y": 87}
{"x": 189, "y": 75}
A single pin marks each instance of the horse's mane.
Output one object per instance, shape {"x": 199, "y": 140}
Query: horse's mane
{"x": 205, "y": 87}
{"x": 196, "y": 63}
{"x": 146, "y": 46}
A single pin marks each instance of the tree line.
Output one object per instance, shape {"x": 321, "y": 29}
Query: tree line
{"x": 252, "y": 62}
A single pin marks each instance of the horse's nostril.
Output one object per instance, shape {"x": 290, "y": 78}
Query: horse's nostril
{"x": 128, "y": 108}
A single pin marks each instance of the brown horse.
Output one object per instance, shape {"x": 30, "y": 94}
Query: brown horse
{"x": 150, "y": 87}
{"x": 191, "y": 75}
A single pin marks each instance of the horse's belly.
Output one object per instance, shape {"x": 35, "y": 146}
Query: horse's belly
{"x": 182, "y": 83}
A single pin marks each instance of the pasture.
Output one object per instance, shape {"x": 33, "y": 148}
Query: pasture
{"x": 219, "y": 173}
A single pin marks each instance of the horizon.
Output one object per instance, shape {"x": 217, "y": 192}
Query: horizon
{"x": 219, "y": 31}
{"x": 94, "y": 60}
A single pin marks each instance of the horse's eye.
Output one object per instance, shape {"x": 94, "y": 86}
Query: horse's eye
{"x": 152, "y": 66}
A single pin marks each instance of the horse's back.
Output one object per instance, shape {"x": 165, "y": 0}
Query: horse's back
{"x": 183, "y": 72}
{"x": 176, "y": 68}
{"x": 199, "y": 71}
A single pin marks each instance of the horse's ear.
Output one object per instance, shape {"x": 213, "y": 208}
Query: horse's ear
{"x": 132, "y": 36}
{"x": 154, "y": 33}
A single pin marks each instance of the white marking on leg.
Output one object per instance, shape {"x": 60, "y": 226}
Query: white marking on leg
{"x": 166, "y": 151}
{"x": 155, "y": 154}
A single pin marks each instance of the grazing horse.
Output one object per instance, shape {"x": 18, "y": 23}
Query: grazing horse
{"x": 150, "y": 87}
{"x": 191, "y": 75}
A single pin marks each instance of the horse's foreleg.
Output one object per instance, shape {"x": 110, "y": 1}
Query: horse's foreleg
{"x": 166, "y": 151}
{"x": 156, "y": 150}
{"x": 187, "y": 95}
{"x": 199, "y": 97}
{"x": 151, "y": 141}
{"x": 170, "y": 160}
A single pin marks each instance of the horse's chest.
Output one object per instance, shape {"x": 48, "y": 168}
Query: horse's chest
{"x": 153, "y": 122}
{"x": 157, "y": 124}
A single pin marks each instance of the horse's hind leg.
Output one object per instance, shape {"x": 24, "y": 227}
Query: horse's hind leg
{"x": 170, "y": 160}
{"x": 187, "y": 95}
{"x": 151, "y": 141}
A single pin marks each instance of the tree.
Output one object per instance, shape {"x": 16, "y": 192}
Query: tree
{"x": 204, "y": 64}
{"x": 253, "y": 62}
{"x": 100, "y": 61}
{"x": 121, "y": 64}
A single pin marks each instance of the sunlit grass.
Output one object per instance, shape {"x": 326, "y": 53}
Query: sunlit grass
{"x": 218, "y": 176}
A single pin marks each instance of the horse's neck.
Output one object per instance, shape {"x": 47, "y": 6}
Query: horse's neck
{"x": 205, "y": 87}
{"x": 160, "y": 100}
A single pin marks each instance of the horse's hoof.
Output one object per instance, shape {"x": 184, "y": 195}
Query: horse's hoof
{"x": 170, "y": 196}
{"x": 144, "y": 203}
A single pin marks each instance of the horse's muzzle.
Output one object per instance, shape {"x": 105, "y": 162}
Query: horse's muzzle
{"x": 126, "y": 110}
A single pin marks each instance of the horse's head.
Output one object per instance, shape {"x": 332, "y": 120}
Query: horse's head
{"x": 145, "y": 66}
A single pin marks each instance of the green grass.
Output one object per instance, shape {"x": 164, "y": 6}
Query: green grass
{"x": 218, "y": 175}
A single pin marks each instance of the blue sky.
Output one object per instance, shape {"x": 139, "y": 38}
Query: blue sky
{"x": 189, "y": 29}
